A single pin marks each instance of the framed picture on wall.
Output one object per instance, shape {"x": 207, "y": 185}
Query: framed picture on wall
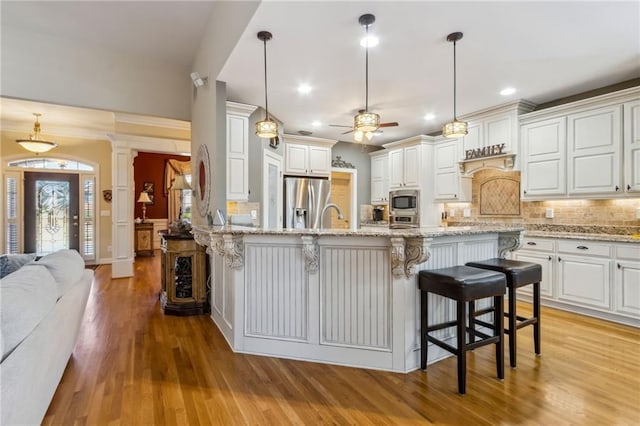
{"x": 149, "y": 188}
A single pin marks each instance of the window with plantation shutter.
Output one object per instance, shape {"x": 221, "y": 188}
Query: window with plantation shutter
{"x": 11, "y": 219}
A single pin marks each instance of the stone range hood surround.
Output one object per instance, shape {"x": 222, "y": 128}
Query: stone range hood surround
{"x": 500, "y": 162}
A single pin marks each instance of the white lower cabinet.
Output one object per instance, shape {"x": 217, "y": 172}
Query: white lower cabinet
{"x": 584, "y": 280}
{"x": 599, "y": 279}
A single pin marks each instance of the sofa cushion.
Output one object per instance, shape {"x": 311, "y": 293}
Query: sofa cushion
{"x": 12, "y": 262}
{"x": 26, "y": 297}
{"x": 66, "y": 266}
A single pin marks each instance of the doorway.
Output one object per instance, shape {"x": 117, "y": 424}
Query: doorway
{"x": 51, "y": 212}
{"x": 343, "y": 194}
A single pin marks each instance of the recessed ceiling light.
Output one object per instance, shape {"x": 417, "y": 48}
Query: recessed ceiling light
{"x": 371, "y": 41}
{"x": 316, "y": 123}
{"x": 508, "y": 91}
{"x": 304, "y": 88}
{"x": 429, "y": 117}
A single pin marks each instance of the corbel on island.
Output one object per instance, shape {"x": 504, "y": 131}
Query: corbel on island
{"x": 336, "y": 296}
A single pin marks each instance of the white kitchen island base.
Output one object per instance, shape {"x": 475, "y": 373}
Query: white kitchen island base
{"x": 336, "y": 296}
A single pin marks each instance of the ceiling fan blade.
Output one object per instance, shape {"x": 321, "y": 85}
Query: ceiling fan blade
{"x": 337, "y": 125}
{"x": 393, "y": 124}
{"x": 349, "y": 131}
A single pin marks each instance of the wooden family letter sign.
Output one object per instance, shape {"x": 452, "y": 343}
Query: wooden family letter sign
{"x": 487, "y": 151}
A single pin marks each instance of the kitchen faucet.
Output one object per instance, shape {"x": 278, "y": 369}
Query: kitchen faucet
{"x": 340, "y": 216}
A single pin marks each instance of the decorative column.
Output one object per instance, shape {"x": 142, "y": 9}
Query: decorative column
{"x": 310, "y": 252}
{"x": 397, "y": 257}
{"x": 233, "y": 250}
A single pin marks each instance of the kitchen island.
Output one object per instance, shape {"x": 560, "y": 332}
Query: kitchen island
{"x": 337, "y": 296}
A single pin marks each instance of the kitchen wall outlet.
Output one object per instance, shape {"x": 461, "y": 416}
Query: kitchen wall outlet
{"x": 254, "y": 214}
{"x": 548, "y": 213}
{"x": 466, "y": 213}
{"x": 637, "y": 212}
{"x": 452, "y": 213}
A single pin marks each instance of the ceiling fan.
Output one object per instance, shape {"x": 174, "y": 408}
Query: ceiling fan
{"x": 366, "y": 123}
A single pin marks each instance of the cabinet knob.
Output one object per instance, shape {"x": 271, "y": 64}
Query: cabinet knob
{"x": 550, "y": 258}
{"x": 617, "y": 188}
{"x": 525, "y": 191}
{"x": 455, "y": 195}
{"x": 628, "y": 187}
{"x": 582, "y": 248}
{"x": 619, "y": 267}
{"x": 559, "y": 259}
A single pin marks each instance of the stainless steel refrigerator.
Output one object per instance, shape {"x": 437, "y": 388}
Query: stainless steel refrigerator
{"x": 304, "y": 200}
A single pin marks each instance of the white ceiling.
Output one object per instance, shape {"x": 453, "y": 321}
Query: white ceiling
{"x": 546, "y": 50}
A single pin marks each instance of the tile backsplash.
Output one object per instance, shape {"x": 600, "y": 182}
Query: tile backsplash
{"x": 600, "y": 213}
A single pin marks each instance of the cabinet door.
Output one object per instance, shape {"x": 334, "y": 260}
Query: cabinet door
{"x": 498, "y": 131}
{"x": 237, "y": 158}
{"x": 627, "y": 287}
{"x": 474, "y": 137}
{"x": 296, "y": 159}
{"x": 543, "y": 150}
{"x": 594, "y": 151}
{"x": 319, "y": 160}
{"x": 379, "y": 167}
{"x": 448, "y": 184}
{"x": 411, "y": 166}
{"x": 584, "y": 280}
{"x": 396, "y": 173}
{"x": 546, "y": 261}
{"x": 632, "y": 146}
{"x": 379, "y": 182}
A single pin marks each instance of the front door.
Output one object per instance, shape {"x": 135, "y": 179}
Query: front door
{"x": 51, "y": 213}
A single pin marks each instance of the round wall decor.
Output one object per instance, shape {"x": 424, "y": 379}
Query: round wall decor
{"x": 202, "y": 187}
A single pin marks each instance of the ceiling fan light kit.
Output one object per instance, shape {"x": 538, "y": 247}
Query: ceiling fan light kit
{"x": 455, "y": 128}
{"x": 266, "y": 128}
{"x": 35, "y": 143}
{"x": 366, "y": 121}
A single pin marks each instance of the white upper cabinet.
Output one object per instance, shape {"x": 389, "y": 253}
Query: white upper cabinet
{"x": 594, "y": 151}
{"x": 305, "y": 156}
{"x": 448, "y": 184}
{"x": 404, "y": 167}
{"x": 473, "y": 139}
{"x": 379, "y": 179}
{"x": 584, "y": 149}
{"x": 238, "y": 150}
{"x": 543, "y": 150}
{"x": 631, "y": 120}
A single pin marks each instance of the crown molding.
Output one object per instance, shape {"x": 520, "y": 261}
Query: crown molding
{"x": 51, "y": 130}
{"x": 237, "y": 108}
{"x": 168, "y": 123}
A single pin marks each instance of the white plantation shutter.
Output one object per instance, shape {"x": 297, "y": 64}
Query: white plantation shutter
{"x": 88, "y": 217}
{"x": 12, "y": 213}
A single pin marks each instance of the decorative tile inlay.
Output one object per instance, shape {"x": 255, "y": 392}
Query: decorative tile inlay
{"x": 500, "y": 196}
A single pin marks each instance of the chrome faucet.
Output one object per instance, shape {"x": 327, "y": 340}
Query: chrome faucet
{"x": 330, "y": 205}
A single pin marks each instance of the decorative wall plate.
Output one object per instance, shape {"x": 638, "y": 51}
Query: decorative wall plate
{"x": 202, "y": 187}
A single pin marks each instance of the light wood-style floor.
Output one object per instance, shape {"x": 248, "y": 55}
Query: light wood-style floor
{"x": 135, "y": 366}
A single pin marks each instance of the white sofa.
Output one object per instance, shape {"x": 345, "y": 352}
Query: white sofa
{"x": 42, "y": 305}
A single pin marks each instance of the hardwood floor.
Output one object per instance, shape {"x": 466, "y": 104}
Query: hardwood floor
{"x": 133, "y": 365}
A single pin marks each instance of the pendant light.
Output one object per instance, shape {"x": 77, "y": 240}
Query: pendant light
{"x": 35, "y": 143}
{"x": 455, "y": 128}
{"x": 266, "y": 128}
{"x": 365, "y": 122}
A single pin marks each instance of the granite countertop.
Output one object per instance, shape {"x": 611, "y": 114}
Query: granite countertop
{"x": 585, "y": 236}
{"x": 428, "y": 232}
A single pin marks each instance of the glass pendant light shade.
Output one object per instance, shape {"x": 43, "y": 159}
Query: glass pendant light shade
{"x": 357, "y": 135}
{"x": 35, "y": 143}
{"x": 266, "y": 128}
{"x": 455, "y": 128}
{"x": 366, "y": 122}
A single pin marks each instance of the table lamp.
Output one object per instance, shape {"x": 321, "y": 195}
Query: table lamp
{"x": 179, "y": 184}
{"x": 144, "y": 199}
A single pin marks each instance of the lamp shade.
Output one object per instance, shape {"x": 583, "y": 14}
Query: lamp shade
{"x": 366, "y": 122}
{"x": 180, "y": 182}
{"x": 266, "y": 129}
{"x": 455, "y": 129}
{"x": 144, "y": 198}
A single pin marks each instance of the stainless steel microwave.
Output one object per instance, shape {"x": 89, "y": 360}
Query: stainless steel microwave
{"x": 404, "y": 208}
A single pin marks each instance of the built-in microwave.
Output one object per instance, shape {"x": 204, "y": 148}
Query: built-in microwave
{"x": 404, "y": 208}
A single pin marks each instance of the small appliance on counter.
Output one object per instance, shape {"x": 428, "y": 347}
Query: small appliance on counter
{"x": 404, "y": 208}
{"x": 378, "y": 213}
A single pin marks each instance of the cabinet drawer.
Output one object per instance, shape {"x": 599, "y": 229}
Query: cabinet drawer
{"x": 538, "y": 244}
{"x": 584, "y": 247}
{"x": 628, "y": 252}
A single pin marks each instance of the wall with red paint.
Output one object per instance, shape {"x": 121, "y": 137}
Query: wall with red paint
{"x": 149, "y": 167}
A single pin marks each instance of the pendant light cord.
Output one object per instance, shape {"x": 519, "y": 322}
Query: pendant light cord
{"x": 366, "y": 72}
{"x": 455, "y": 116}
{"x": 266, "y": 103}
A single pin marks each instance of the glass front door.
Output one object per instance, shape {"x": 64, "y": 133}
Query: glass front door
{"x": 51, "y": 213}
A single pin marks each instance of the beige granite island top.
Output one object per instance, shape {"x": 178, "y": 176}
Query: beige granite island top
{"x": 585, "y": 236}
{"x": 425, "y": 232}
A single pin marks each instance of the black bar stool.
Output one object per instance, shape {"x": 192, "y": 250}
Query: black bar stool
{"x": 463, "y": 284}
{"x": 518, "y": 275}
